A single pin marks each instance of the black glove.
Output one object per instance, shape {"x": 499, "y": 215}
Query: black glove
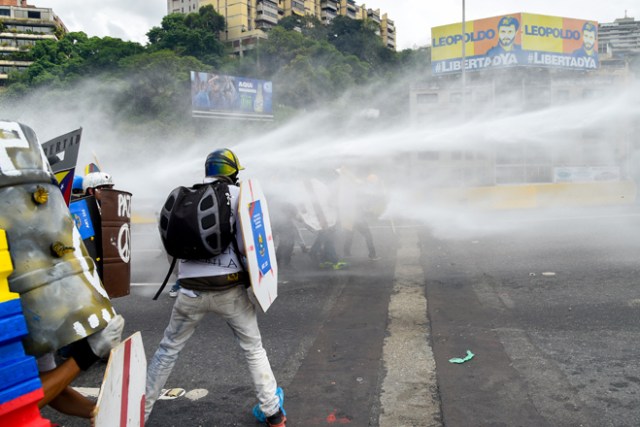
{"x": 89, "y": 350}
{"x": 81, "y": 352}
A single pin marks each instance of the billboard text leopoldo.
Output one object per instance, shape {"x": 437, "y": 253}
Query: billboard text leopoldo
{"x": 519, "y": 39}
{"x": 221, "y": 96}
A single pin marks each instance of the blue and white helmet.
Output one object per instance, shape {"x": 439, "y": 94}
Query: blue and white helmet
{"x": 96, "y": 180}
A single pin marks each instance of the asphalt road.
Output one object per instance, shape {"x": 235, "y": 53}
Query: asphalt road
{"x": 550, "y": 306}
{"x": 547, "y": 302}
{"x": 324, "y": 336}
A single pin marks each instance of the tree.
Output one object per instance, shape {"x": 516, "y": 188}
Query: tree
{"x": 308, "y": 25}
{"x": 76, "y": 55}
{"x": 359, "y": 37}
{"x": 156, "y": 87}
{"x": 308, "y": 71}
{"x": 194, "y": 34}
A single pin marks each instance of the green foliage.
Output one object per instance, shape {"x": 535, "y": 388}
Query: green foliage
{"x": 76, "y": 55}
{"x": 195, "y": 34}
{"x": 308, "y": 62}
{"x": 307, "y": 71}
{"x": 156, "y": 85}
{"x": 308, "y": 25}
{"x": 359, "y": 38}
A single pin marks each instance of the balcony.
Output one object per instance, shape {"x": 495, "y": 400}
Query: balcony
{"x": 265, "y": 22}
{"x": 329, "y": 13}
{"x": 267, "y": 11}
{"x": 326, "y": 16}
{"x": 329, "y": 5}
{"x": 27, "y": 36}
{"x": 265, "y": 18}
{"x": 374, "y": 17}
{"x": 297, "y": 8}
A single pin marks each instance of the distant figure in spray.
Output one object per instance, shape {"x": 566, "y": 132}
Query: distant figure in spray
{"x": 507, "y": 30}
{"x": 284, "y": 215}
{"x": 76, "y": 188}
{"x": 589, "y": 36}
{"x": 364, "y": 192}
{"x": 324, "y": 207}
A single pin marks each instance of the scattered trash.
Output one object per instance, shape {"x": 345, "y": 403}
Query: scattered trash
{"x": 468, "y": 357}
{"x": 171, "y": 393}
{"x": 196, "y": 394}
{"x": 360, "y": 380}
{"x": 532, "y": 274}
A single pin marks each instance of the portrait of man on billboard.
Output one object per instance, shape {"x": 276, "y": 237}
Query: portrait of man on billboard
{"x": 589, "y": 35}
{"x": 507, "y": 30}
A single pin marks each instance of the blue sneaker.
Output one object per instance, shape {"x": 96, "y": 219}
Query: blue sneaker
{"x": 257, "y": 412}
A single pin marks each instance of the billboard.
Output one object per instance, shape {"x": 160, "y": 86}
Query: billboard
{"x": 519, "y": 39}
{"x": 220, "y": 96}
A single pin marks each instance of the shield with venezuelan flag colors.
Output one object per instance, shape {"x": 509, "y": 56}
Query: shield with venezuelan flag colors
{"x": 62, "y": 154}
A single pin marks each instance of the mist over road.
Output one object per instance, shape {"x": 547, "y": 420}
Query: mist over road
{"x": 550, "y": 308}
{"x": 547, "y": 301}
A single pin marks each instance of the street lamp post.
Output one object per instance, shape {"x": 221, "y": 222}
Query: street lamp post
{"x": 464, "y": 83}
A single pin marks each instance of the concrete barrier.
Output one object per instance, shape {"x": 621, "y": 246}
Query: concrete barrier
{"x": 527, "y": 196}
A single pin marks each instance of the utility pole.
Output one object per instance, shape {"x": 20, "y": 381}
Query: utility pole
{"x": 464, "y": 83}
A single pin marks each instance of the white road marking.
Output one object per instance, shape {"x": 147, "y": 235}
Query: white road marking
{"x": 409, "y": 394}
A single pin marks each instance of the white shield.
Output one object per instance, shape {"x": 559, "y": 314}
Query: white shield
{"x": 258, "y": 243}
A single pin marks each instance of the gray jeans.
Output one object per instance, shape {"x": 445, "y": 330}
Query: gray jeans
{"x": 239, "y": 312}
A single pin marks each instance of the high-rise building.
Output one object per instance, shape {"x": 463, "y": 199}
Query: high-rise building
{"x": 182, "y": 6}
{"x": 619, "y": 38}
{"x": 388, "y": 32}
{"x": 21, "y": 26}
{"x": 247, "y": 20}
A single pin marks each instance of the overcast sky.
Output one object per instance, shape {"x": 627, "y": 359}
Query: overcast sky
{"x": 131, "y": 19}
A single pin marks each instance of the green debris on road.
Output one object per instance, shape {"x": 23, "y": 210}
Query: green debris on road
{"x": 468, "y": 357}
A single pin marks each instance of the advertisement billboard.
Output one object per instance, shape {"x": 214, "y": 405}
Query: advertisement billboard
{"x": 220, "y": 96}
{"x": 518, "y": 39}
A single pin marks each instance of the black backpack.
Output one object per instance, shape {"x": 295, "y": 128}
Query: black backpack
{"x": 195, "y": 221}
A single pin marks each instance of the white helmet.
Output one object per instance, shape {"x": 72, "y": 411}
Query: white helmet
{"x": 96, "y": 179}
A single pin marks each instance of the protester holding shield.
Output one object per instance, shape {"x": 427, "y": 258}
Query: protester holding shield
{"x": 219, "y": 285}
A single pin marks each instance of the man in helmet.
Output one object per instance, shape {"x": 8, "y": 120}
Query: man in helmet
{"x": 96, "y": 181}
{"x": 76, "y": 188}
{"x": 219, "y": 285}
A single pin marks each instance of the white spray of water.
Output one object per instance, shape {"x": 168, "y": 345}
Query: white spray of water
{"x": 316, "y": 143}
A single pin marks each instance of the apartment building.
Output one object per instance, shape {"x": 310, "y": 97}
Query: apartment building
{"x": 182, "y": 6}
{"x": 619, "y": 38}
{"x": 247, "y": 20}
{"x": 619, "y": 42}
{"x": 22, "y": 26}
